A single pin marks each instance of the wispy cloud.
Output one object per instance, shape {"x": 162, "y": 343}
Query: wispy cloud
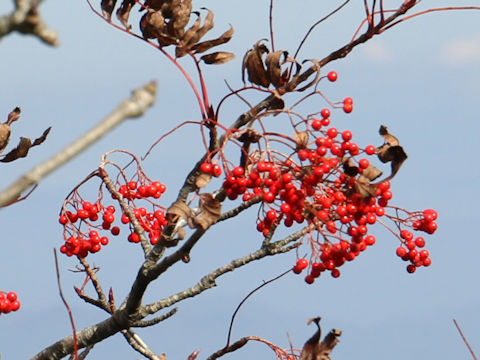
{"x": 375, "y": 51}
{"x": 461, "y": 51}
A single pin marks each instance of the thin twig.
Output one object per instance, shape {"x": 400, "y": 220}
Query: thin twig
{"x": 465, "y": 340}
{"x": 69, "y": 310}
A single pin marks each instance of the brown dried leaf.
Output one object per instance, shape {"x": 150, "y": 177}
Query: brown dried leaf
{"x": 19, "y": 152}
{"x": 211, "y": 209}
{"x": 274, "y": 67}
{"x": 123, "y": 12}
{"x": 253, "y": 64}
{"x": 107, "y": 8}
{"x": 207, "y": 26}
{"x": 178, "y": 210}
{"x": 314, "y": 81}
{"x": 180, "y": 18}
{"x": 202, "y": 180}
{"x": 4, "y": 136}
{"x": 156, "y": 4}
{"x": 349, "y": 168}
{"x": 13, "y": 116}
{"x": 310, "y": 348}
{"x": 301, "y": 139}
{"x": 42, "y": 138}
{"x": 371, "y": 172}
{"x": 207, "y": 45}
{"x": 391, "y": 151}
{"x": 363, "y": 187}
{"x": 183, "y": 46}
{"x": 152, "y": 24}
{"x": 217, "y": 58}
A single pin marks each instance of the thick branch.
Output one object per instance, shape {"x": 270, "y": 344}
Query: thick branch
{"x": 26, "y": 19}
{"x": 133, "y": 107}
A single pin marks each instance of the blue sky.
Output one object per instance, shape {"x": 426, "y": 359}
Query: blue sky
{"x": 421, "y": 79}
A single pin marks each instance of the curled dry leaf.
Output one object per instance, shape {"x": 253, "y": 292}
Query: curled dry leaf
{"x": 349, "y": 168}
{"x": 253, "y": 65}
{"x": 314, "y": 81}
{"x": 107, "y": 8}
{"x": 301, "y": 139}
{"x": 180, "y": 18}
{"x": 23, "y": 147}
{"x": 178, "y": 210}
{"x": 217, "y": 58}
{"x": 4, "y": 136}
{"x": 13, "y": 116}
{"x": 123, "y": 12}
{"x": 152, "y": 24}
{"x": 207, "y": 45}
{"x": 316, "y": 350}
{"x": 363, "y": 187}
{"x": 184, "y": 44}
{"x": 391, "y": 151}
{"x": 210, "y": 211}
{"x": 274, "y": 67}
{"x": 371, "y": 172}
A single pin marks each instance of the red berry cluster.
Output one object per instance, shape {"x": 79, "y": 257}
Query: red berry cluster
{"x": 323, "y": 184}
{"x": 97, "y": 217}
{"x": 8, "y": 302}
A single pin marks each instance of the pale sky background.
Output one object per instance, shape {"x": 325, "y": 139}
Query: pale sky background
{"x": 421, "y": 79}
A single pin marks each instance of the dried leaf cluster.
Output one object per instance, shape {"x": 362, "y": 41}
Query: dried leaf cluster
{"x": 167, "y": 21}
{"x": 264, "y": 68}
{"x": 314, "y": 349}
{"x": 21, "y": 150}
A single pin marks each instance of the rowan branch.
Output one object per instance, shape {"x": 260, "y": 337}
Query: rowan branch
{"x": 133, "y": 107}
{"x": 26, "y": 19}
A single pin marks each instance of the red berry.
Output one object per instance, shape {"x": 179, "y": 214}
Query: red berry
{"x": 370, "y": 150}
{"x": 309, "y": 279}
{"x": 420, "y": 242}
{"x": 335, "y": 273}
{"x": 347, "y": 135}
{"x": 268, "y": 197}
{"x": 401, "y": 251}
{"x": 297, "y": 270}
{"x": 411, "y": 268}
{"x": 12, "y": 296}
{"x": 216, "y": 170}
{"x": 325, "y": 113}
{"x": 348, "y": 100}
{"x": 132, "y": 185}
{"x": 363, "y": 163}
{"x": 316, "y": 124}
{"x": 206, "y": 168}
{"x": 62, "y": 219}
{"x": 332, "y": 76}
{"x": 332, "y": 132}
{"x": 347, "y": 108}
{"x": 115, "y": 230}
{"x": 238, "y": 171}
{"x": 302, "y": 263}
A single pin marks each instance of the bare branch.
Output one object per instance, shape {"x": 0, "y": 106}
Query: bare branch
{"x": 133, "y": 107}
{"x": 26, "y": 19}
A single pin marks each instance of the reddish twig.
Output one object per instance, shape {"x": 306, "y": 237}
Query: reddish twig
{"x": 69, "y": 310}
{"x": 465, "y": 340}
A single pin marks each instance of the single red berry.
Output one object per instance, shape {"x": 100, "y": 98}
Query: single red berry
{"x": 271, "y": 215}
{"x": 83, "y": 214}
{"x": 427, "y": 261}
{"x": 370, "y": 150}
{"x": 411, "y": 268}
{"x": 15, "y": 305}
{"x": 12, "y": 296}
{"x": 316, "y": 124}
{"x": 302, "y": 263}
{"x": 370, "y": 240}
{"x": 347, "y": 135}
{"x": 401, "y": 251}
{"x": 347, "y": 108}
{"x": 115, "y": 230}
{"x": 420, "y": 242}
{"x": 332, "y": 76}
{"x": 238, "y": 171}
{"x": 216, "y": 170}
{"x": 268, "y": 197}
{"x": 132, "y": 185}
{"x": 335, "y": 273}
{"x": 326, "y": 122}
{"x": 297, "y": 270}
{"x": 363, "y": 163}
{"x": 325, "y": 113}
{"x": 348, "y": 100}
{"x": 206, "y": 168}
{"x": 63, "y": 219}
{"x": 309, "y": 279}
{"x": 332, "y": 132}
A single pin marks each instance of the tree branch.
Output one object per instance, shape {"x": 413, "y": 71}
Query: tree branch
{"x": 133, "y": 107}
{"x": 26, "y": 19}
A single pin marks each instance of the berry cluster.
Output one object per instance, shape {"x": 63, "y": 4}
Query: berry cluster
{"x": 327, "y": 184}
{"x": 82, "y": 226}
{"x": 8, "y": 302}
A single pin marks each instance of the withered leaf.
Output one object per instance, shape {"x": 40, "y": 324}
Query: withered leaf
{"x": 210, "y": 211}
{"x": 250, "y": 136}
{"x": 152, "y": 24}
{"x": 310, "y": 348}
{"x": 371, "y": 172}
{"x": 277, "y": 102}
{"x": 23, "y": 147}
{"x": 274, "y": 69}
{"x": 217, "y": 58}
{"x": 202, "y": 180}
{"x": 183, "y": 46}
{"x": 180, "y": 18}
{"x": 363, "y": 187}
{"x": 178, "y": 210}
{"x": 207, "y": 26}
{"x": 123, "y": 11}
{"x": 207, "y": 45}
{"x": 4, "y": 136}
{"x": 349, "y": 168}
{"x": 391, "y": 151}
{"x": 301, "y": 139}
{"x": 316, "y": 350}
{"x": 107, "y": 8}
{"x": 156, "y": 4}
{"x": 13, "y": 116}
{"x": 314, "y": 81}
{"x": 253, "y": 64}
{"x": 19, "y": 152}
